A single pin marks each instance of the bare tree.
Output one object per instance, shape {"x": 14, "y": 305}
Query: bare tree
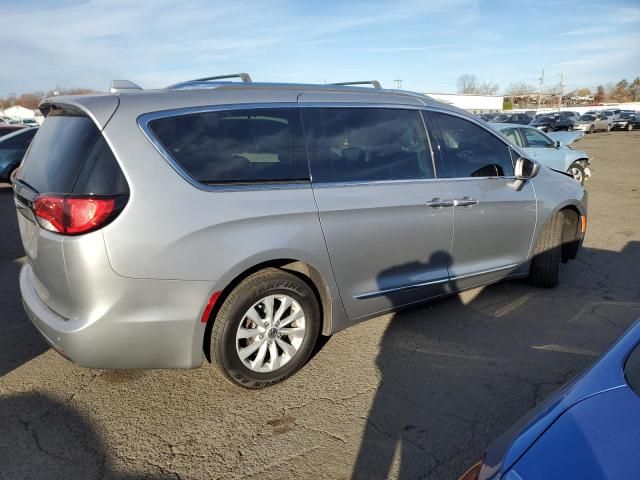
{"x": 487, "y": 88}
{"x": 634, "y": 89}
{"x": 599, "y": 95}
{"x": 519, "y": 89}
{"x": 467, "y": 84}
{"x": 620, "y": 91}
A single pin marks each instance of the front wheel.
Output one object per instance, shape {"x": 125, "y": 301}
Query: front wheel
{"x": 592, "y": 129}
{"x": 629, "y": 127}
{"x": 545, "y": 266}
{"x": 266, "y": 329}
{"x": 609, "y": 128}
{"x": 577, "y": 171}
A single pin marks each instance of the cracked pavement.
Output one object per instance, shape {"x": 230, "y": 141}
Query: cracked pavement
{"x": 418, "y": 394}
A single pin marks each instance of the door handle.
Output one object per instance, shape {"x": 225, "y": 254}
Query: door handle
{"x": 439, "y": 203}
{"x": 464, "y": 202}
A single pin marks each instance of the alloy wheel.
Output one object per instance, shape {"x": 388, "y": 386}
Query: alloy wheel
{"x": 270, "y": 333}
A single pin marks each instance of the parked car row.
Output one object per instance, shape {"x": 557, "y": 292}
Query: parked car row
{"x": 589, "y": 122}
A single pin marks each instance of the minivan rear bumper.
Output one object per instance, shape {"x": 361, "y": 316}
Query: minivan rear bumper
{"x": 148, "y": 338}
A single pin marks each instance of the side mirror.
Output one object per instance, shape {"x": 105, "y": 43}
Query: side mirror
{"x": 524, "y": 170}
{"x": 557, "y": 144}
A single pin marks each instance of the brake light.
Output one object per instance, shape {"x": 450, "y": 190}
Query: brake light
{"x": 73, "y": 215}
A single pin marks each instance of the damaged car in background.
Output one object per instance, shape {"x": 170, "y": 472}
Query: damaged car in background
{"x": 551, "y": 149}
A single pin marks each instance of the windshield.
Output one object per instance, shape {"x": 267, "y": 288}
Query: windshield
{"x": 500, "y": 118}
{"x": 544, "y": 119}
{"x": 587, "y": 118}
{"x": 626, "y": 115}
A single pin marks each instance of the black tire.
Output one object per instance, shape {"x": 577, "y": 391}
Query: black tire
{"x": 581, "y": 173}
{"x": 629, "y": 127}
{"x": 247, "y": 293}
{"x": 545, "y": 266}
{"x": 591, "y": 129}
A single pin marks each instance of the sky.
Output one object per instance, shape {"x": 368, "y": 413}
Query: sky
{"x": 426, "y": 44}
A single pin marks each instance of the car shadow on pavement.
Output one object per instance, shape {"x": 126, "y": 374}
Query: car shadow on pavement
{"x": 458, "y": 372}
{"x": 43, "y": 437}
{"x": 19, "y": 340}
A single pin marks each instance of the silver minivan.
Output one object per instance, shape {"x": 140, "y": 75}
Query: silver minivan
{"x": 240, "y": 221}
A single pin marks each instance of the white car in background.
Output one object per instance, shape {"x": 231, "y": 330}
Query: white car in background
{"x": 590, "y": 123}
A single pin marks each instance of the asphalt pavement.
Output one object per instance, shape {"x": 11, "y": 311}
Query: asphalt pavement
{"x": 418, "y": 394}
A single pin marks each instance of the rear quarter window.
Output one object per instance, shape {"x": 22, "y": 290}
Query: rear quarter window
{"x": 236, "y": 146}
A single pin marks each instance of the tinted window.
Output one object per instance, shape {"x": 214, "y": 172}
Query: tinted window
{"x": 469, "y": 150}
{"x": 632, "y": 369}
{"x": 366, "y": 144}
{"x": 18, "y": 140}
{"x": 69, "y": 155}
{"x": 535, "y": 138}
{"x": 58, "y": 152}
{"x": 100, "y": 173}
{"x": 239, "y": 146}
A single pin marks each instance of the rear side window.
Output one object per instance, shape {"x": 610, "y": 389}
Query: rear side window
{"x": 469, "y": 150}
{"x": 237, "y": 146}
{"x": 366, "y": 144}
{"x": 70, "y": 155}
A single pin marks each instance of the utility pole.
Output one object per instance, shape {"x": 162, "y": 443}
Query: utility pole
{"x": 398, "y": 84}
{"x": 561, "y": 89}
{"x": 541, "y": 81}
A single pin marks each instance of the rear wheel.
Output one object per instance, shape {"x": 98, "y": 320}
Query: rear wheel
{"x": 545, "y": 266}
{"x": 265, "y": 329}
{"x": 577, "y": 171}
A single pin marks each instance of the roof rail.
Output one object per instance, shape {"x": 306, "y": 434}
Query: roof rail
{"x": 373, "y": 83}
{"x": 242, "y": 76}
{"x": 120, "y": 86}
{"x": 202, "y": 82}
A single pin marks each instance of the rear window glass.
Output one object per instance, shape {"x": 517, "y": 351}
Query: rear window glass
{"x": 366, "y": 144}
{"x": 632, "y": 369}
{"x": 58, "y": 152}
{"x": 236, "y": 146}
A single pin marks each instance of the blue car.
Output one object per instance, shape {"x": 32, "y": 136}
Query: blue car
{"x": 12, "y": 148}
{"x": 589, "y": 429}
{"x": 550, "y": 149}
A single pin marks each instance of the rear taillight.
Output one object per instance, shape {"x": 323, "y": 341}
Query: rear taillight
{"x": 75, "y": 215}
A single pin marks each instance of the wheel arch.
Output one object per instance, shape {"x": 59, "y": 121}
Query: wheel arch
{"x": 302, "y": 269}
